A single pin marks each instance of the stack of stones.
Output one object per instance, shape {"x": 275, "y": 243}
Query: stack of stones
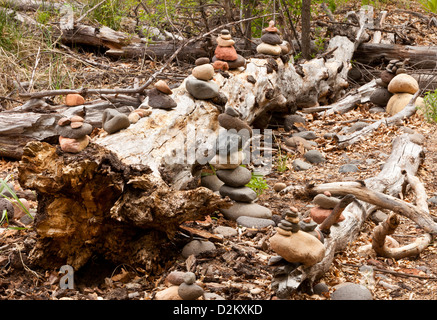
{"x": 235, "y": 177}
{"x": 271, "y": 43}
{"x": 73, "y": 134}
{"x": 200, "y": 83}
{"x": 295, "y": 245}
{"x": 159, "y": 97}
{"x": 385, "y": 93}
{"x": 225, "y": 52}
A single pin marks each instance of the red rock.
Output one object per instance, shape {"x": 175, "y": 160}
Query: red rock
{"x": 74, "y": 99}
{"x": 73, "y": 145}
{"x": 220, "y": 65}
{"x": 226, "y": 53}
{"x": 319, "y": 215}
{"x": 162, "y": 86}
{"x": 76, "y": 124}
{"x": 64, "y": 122}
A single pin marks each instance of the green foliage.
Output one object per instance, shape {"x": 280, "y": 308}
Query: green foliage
{"x": 430, "y": 106}
{"x": 9, "y": 32}
{"x": 4, "y": 187}
{"x": 111, "y": 12}
{"x": 429, "y": 5}
{"x": 257, "y": 183}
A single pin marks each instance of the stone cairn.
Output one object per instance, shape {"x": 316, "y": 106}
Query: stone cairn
{"x": 271, "y": 42}
{"x": 73, "y": 134}
{"x": 225, "y": 52}
{"x": 295, "y": 245}
{"x": 391, "y": 95}
{"x": 200, "y": 83}
{"x": 159, "y": 97}
{"x": 227, "y": 162}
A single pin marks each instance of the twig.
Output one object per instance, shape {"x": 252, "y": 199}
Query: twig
{"x": 397, "y": 273}
{"x": 86, "y": 13}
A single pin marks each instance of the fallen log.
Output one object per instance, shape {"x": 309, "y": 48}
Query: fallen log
{"x": 381, "y": 191}
{"x": 420, "y": 57}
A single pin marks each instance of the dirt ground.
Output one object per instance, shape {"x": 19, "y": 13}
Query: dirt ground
{"x": 239, "y": 269}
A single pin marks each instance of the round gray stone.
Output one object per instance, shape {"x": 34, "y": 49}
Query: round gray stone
{"x": 225, "y": 231}
{"x": 201, "y": 89}
{"x": 190, "y": 291}
{"x": 237, "y": 177}
{"x": 320, "y": 288}
{"x": 291, "y": 119}
{"x": 211, "y": 182}
{"x": 351, "y": 291}
{"x": 300, "y": 165}
{"x": 113, "y": 121}
{"x": 241, "y": 194}
{"x": 256, "y": 223}
{"x": 196, "y": 246}
{"x": 348, "y": 168}
{"x": 159, "y": 100}
{"x": 314, "y": 156}
{"x": 380, "y": 96}
{"x": 239, "y": 209}
{"x": 271, "y": 38}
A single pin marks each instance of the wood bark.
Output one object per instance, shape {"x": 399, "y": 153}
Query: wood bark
{"x": 420, "y": 57}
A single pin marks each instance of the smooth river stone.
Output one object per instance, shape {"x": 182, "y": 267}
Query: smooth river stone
{"x": 239, "y": 209}
{"x": 201, "y": 89}
{"x": 243, "y": 194}
{"x": 237, "y": 177}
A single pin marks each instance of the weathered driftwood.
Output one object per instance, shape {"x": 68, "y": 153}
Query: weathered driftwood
{"x": 420, "y": 57}
{"x": 381, "y": 191}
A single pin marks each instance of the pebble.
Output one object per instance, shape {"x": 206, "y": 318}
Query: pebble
{"x": 279, "y": 186}
{"x": 403, "y": 83}
{"x": 189, "y": 290}
{"x": 212, "y": 296}
{"x": 134, "y": 117}
{"x": 242, "y": 194}
{"x": 114, "y": 121}
{"x": 271, "y": 38}
{"x": 163, "y": 87}
{"x": 325, "y": 202}
{"x": 399, "y": 101}
{"x": 376, "y": 110}
{"x": 300, "y": 165}
{"x": 226, "y": 53}
{"x": 314, "y": 157}
{"x": 237, "y": 177}
{"x": 386, "y": 77}
{"x": 319, "y": 215}
{"x": 202, "y": 60}
{"x": 294, "y": 142}
{"x": 226, "y": 232}
{"x": 74, "y": 99}
{"x": 239, "y": 62}
{"x": 225, "y": 42}
{"x": 265, "y": 48}
{"x": 348, "y": 168}
{"x": 211, "y": 182}
{"x": 175, "y": 277}
{"x": 298, "y": 247}
{"x": 309, "y": 135}
{"x": 320, "y": 288}
{"x": 170, "y": 293}
{"x": 203, "y": 72}
{"x": 291, "y": 119}
{"x": 239, "y": 209}
{"x": 229, "y": 122}
{"x": 351, "y": 291}
{"x": 158, "y": 100}
{"x": 256, "y": 223}
{"x": 197, "y": 246}
{"x": 73, "y": 145}
{"x": 220, "y": 65}
{"x": 201, "y": 89}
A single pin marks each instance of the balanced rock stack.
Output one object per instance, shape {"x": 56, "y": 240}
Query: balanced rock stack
{"x": 73, "y": 134}
{"x": 271, "y": 42}
{"x": 394, "y": 96}
{"x": 159, "y": 97}
{"x": 225, "y": 52}
{"x": 235, "y": 177}
{"x": 295, "y": 245}
{"x": 200, "y": 83}
{"x": 403, "y": 87}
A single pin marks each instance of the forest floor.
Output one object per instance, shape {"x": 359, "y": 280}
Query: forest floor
{"x": 239, "y": 269}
